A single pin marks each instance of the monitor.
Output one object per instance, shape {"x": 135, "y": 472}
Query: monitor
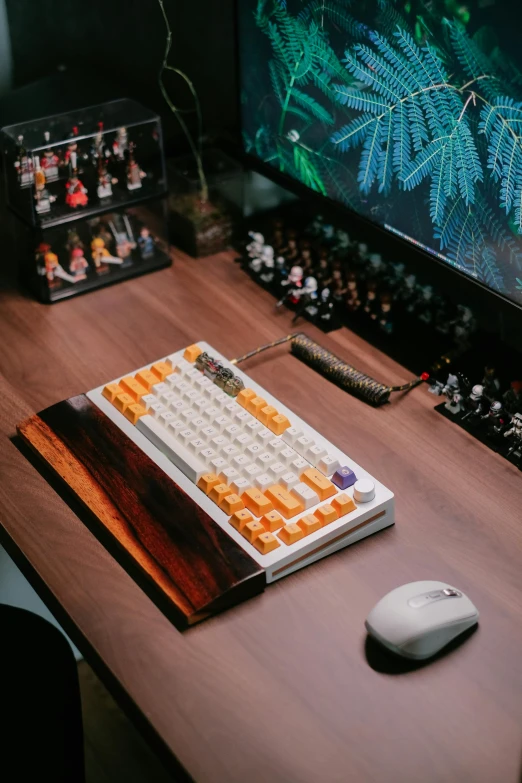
{"x": 408, "y": 112}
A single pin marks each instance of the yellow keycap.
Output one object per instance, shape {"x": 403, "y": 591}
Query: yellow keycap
{"x": 290, "y": 534}
{"x": 256, "y": 502}
{"x": 207, "y": 481}
{"x": 309, "y": 524}
{"x": 133, "y": 387}
{"x": 266, "y": 543}
{"x": 244, "y": 396}
{"x": 219, "y": 492}
{"x": 326, "y": 514}
{"x": 122, "y": 402}
{"x": 252, "y": 530}
{"x": 111, "y": 391}
{"x": 319, "y": 483}
{"x": 272, "y": 521}
{"x": 254, "y": 405}
{"x": 192, "y": 352}
{"x": 133, "y": 412}
{"x": 284, "y": 502}
{"x": 231, "y": 503}
{"x": 343, "y": 504}
{"x": 266, "y": 413}
{"x": 278, "y": 424}
{"x": 161, "y": 369}
{"x": 146, "y": 378}
{"x": 240, "y": 518}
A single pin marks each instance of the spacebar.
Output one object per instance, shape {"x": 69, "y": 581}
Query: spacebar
{"x": 176, "y": 452}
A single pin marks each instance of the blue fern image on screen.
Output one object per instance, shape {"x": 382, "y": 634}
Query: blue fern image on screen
{"x": 404, "y": 114}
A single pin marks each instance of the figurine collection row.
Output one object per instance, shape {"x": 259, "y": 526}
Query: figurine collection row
{"x": 105, "y": 160}
{"x": 492, "y": 414}
{"x": 324, "y": 275}
{"x": 110, "y": 243}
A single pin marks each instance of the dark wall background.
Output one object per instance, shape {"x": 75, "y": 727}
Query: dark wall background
{"x": 83, "y": 49}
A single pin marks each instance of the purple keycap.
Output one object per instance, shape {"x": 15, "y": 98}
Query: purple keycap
{"x": 344, "y": 478}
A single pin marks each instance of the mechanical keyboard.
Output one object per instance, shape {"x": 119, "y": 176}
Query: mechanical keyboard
{"x": 277, "y": 487}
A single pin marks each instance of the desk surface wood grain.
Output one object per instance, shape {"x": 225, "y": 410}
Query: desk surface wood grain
{"x": 284, "y": 687}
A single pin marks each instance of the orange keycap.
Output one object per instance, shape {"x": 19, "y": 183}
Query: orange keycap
{"x": 240, "y": 518}
{"x": 254, "y": 405}
{"x": 111, "y": 391}
{"x": 122, "y": 402}
{"x": 133, "y": 412}
{"x": 290, "y": 534}
{"x": 284, "y": 502}
{"x": 231, "y": 503}
{"x": 207, "y": 481}
{"x": 244, "y": 396}
{"x": 266, "y": 413}
{"x": 256, "y": 502}
{"x": 309, "y": 524}
{"x": 146, "y": 378}
{"x": 278, "y": 424}
{"x": 343, "y": 504}
{"x": 192, "y": 352}
{"x": 266, "y": 542}
{"x": 326, "y": 514}
{"x": 272, "y": 521}
{"x": 319, "y": 483}
{"x": 252, "y": 530}
{"x": 133, "y": 387}
{"x": 161, "y": 369}
{"x": 219, "y": 492}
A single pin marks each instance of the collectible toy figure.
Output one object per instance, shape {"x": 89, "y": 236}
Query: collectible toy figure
{"x": 146, "y": 243}
{"x": 476, "y": 403}
{"x": 255, "y": 247}
{"x": 512, "y": 398}
{"x": 266, "y": 273}
{"x": 515, "y": 434}
{"x": 120, "y": 144}
{"x": 293, "y": 283}
{"x": 49, "y": 262}
{"x": 490, "y": 382}
{"x": 42, "y": 197}
{"x": 101, "y": 256}
{"x": 72, "y": 148}
{"x": 76, "y": 193}
{"x": 24, "y": 165}
{"x": 452, "y": 392}
{"x": 105, "y": 181}
{"x": 50, "y": 162}
{"x": 123, "y": 235}
{"x": 78, "y": 264}
{"x": 307, "y": 296}
{"x": 134, "y": 173}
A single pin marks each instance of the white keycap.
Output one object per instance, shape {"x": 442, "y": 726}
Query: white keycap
{"x": 208, "y": 432}
{"x": 240, "y": 485}
{"x": 242, "y": 440}
{"x": 166, "y": 418}
{"x": 197, "y": 445}
{"x": 179, "y": 406}
{"x": 175, "y": 427}
{"x": 174, "y": 379}
{"x": 160, "y": 388}
{"x": 221, "y": 400}
{"x": 328, "y": 464}
{"x": 219, "y": 443}
{"x": 229, "y": 474}
{"x": 253, "y": 449}
{"x": 212, "y": 391}
{"x": 287, "y": 455}
{"x": 149, "y": 399}
{"x": 183, "y": 367}
{"x": 186, "y": 435}
{"x": 229, "y": 451}
{"x": 305, "y": 494}
{"x": 251, "y": 471}
{"x": 188, "y": 414}
{"x": 232, "y": 409}
{"x": 185, "y": 460}
{"x": 169, "y": 398}
{"x": 194, "y": 374}
{"x": 289, "y": 480}
{"x": 242, "y": 416}
{"x": 184, "y": 387}
{"x": 298, "y": 465}
{"x": 252, "y": 427}
{"x": 190, "y": 396}
{"x": 291, "y": 434}
{"x": 198, "y": 423}
{"x": 315, "y": 453}
{"x": 200, "y": 404}
{"x": 363, "y": 490}
{"x": 276, "y": 445}
{"x": 208, "y": 454}
{"x": 263, "y": 481}
{"x": 202, "y": 381}
{"x": 220, "y": 422}
{"x": 157, "y": 409}
{"x": 211, "y": 413}
{"x": 264, "y": 437}
{"x": 240, "y": 461}
{"x": 265, "y": 459}
{"x": 302, "y": 444}
{"x": 232, "y": 431}
{"x": 277, "y": 469}
{"x": 218, "y": 464}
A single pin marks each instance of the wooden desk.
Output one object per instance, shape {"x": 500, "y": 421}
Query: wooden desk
{"x": 282, "y": 688}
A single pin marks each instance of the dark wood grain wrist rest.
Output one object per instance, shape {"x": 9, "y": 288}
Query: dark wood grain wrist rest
{"x": 185, "y": 557}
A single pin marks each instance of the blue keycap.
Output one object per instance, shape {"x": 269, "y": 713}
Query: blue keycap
{"x": 344, "y": 478}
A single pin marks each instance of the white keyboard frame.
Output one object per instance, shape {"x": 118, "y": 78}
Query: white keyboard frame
{"x": 368, "y": 518}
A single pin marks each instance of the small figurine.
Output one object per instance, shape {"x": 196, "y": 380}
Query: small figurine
{"x": 146, "y": 244}
{"x": 495, "y": 419}
{"x": 512, "y": 398}
{"x": 51, "y": 268}
{"x": 293, "y": 284}
{"x": 490, "y": 382}
{"x": 72, "y": 148}
{"x": 76, "y": 193}
{"x": 326, "y": 307}
{"x": 307, "y": 296}
{"x": 384, "y": 314}
{"x": 255, "y": 247}
{"x": 50, "y": 162}
{"x": 78, "y": 264}
{"x": 101, "y": 256}
{"x": 515, "y": 432}
{"x": 123, "y": 236}
{"x": 99, "y": 151}
{"x": 353, "y": 300}
{"x": 42, "y": 197}
{"x": 454, "y": 397}
{"x": 120, "y": 144}
{"x": 266, "y": 273}
{"x": 476, "y": 403}
{"x": 105, "y": 181}
{"x": 370, "y": 305}
{"x": 134, "y": 173}
{"x": 24, "y": 165}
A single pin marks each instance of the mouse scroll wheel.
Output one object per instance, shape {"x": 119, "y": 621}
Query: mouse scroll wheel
{"x": 451, "y": 592}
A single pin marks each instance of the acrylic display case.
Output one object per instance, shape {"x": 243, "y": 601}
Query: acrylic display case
{"x": 89, "y": 191}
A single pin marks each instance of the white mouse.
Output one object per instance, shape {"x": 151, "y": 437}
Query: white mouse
{"x": 420, "y": 618}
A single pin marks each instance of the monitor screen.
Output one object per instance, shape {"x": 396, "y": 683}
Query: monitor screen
{"x": 408, "y": 112}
